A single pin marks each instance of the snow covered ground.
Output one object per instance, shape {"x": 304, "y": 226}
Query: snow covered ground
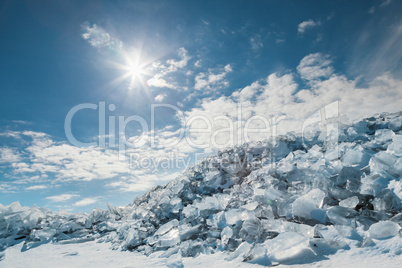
{"x": 324, "y": 199}
{"x": 93, "y": 254}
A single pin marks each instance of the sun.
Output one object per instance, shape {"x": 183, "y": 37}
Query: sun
{"x": 135, "y": 72}
{"x": 134, "y": 69}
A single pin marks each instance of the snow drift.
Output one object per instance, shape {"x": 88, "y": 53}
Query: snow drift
{"x": 282, "y": 200}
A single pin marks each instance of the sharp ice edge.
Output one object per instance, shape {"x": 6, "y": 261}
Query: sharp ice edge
{"x": 267, "y": 202}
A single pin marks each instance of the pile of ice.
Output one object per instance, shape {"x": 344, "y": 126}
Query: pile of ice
{"x": 275, "y": 201}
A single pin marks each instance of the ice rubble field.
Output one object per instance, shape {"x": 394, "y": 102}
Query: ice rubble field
{"x": 293, "y": 200}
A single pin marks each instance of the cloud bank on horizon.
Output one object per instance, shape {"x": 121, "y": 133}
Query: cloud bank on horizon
{"x": 219, "y": 80}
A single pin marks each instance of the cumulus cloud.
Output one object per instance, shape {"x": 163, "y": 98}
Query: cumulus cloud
{"x": 99, "y": 37}
{"x": 282, "y": 105}
{"x": 9, "y": 155}
{"x": 306, "y": 25}
{"x": 46, "y": 161}
{"x": 11, "y": 134}
{"x": 62, "y": 197}
{"x": 269, "y": 106}
{"x": 315, "y": 66}
{"x": 160, "y": 97}
{"x": 198, "y": 64}
{"x": 136, "y": 185}
{"x": 159, "y": 82}
{"x": 213, "y": 80}
{"x": 248, "y": 92}
{"x": 170, "y": 66}
{"x": 174, "y": 65}
{"x": 85, "y": 202}
{"x": 65, "y": 161}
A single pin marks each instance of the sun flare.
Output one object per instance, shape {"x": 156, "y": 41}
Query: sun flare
{"x": 135, "y": 69}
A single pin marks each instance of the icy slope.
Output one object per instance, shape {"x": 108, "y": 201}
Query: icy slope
{"x": 277, "y": 201}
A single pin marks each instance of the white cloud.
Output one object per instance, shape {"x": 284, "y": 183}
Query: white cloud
{"x": 86, "y": 202}
{"x": 212, "y": 80}
{"x": 46, "y": 160}
{"x": 256, "y": 42}
{"x": 315, "y": 66}
{"x": 175, "y": 65}
{"x": 99, "y": 37}
{"x": 159, "y": 82}
{"x": 384, "y": 56}
{"x": 248, "y": 92}
{"x": 36, "y": 187}
{"x": 171, "y": 66}
{"x": 33, "y": 134}
{"x": 198, "y": 64}
{"x": 21, "y": 122}
{"x": 62, "y": 197}
{"x": 281, "y": 96}
{"x": 277, "y": 95}
{"x": 9, "y": 155}
{"x": 278, "y": 41}
{"x": 69, "y": 162}
{"x": 142, "y": 184}
{"x": 385, "y": 3}
{"x": 306, "y": 25}
{"x": 160, "y": 97}
{"x": 11, "y": 134}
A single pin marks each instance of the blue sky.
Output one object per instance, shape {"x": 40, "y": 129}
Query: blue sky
{"x": 282, "y": 60}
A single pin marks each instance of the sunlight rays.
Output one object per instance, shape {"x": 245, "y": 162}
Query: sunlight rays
{"x": 135, "y": 69}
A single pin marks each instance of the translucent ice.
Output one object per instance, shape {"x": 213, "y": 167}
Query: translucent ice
{"x": 265, "y": 202}
{"x": 226, "y": 234}
{"x": 348, "y": 174}
{"x": 395, "y": 147}
{"x": 350, "y": 202}
{"x": 251, "y": 229}
{"x": 250, "y": 206}
{"x": 396, "y": 169}
{"x": 381, "y": 162}
{"x": 234, "y": 216}
{"x": 287, "y": 246}
{"x": 188, "y": 231}
{"x": 169, "y": 239}
{"x": 167, "y": 227}
{"x": 241, "y": 251}
{"x": 384, "y": 135}
{"x": 384, "y": 229}
{"x": 355, "y": 157}
{"x": 303, "y": 205}
{"x": 209, "y": 203}
{"x": 342, "y": 216}
{"x": 386, "y": 201}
